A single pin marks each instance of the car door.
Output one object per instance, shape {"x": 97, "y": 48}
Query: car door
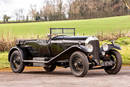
{"x": 38, "y": 48}
{"x": 56, "y": 45}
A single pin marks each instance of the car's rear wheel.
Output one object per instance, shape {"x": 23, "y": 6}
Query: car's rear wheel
{"x": 116, "y": 58}
{"x": 16, "y": 63}
{"x": 50, "y": 68}
{"x": 79, "y": 64}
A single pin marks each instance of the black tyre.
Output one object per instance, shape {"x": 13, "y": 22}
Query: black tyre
{"x": 79, "y": 64}
{"x": 16, "y": 63}
{"x": 50, "y": 68}
{"x": 117, "y": 59}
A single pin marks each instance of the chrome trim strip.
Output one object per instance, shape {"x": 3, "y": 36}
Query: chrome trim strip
{"x": 75, "y": 41}
{"x": 35, "y": 61}
{"x": 68, "y": 41}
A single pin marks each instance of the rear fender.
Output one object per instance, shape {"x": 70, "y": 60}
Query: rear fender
{"x": 15, "y": 49}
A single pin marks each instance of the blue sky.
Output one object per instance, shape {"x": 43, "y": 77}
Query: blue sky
{"x": 11, "y": 6}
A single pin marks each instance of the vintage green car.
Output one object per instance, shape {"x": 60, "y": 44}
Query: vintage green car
{"x": 80, "y": 53}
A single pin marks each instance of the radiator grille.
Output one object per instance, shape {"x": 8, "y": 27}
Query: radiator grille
{"x": 96, "y": 50}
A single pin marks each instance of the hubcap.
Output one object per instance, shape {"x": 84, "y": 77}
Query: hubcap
{"x": 16, "y": 62}
{"x": 77, "y": 64}
{"x": 113, "y": 58}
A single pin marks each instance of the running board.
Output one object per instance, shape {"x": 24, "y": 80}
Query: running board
{"x": 34, "y": 61}
{"x": 37, "y": 61}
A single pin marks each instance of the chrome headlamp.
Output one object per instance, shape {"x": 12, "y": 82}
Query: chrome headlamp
{"x": 89, "y": 48}
{"x": 105, "y": 47}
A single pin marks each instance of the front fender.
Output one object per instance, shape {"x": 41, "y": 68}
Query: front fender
{"x": 115, "y": 46}
{"x": 68, "y": 52}
{"x": 111, "y": 46}
{"x": 77, "y": 47}
{"x": 14, "y": 49}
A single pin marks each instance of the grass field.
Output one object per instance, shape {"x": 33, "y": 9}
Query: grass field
{"x": 4, "y": 60}
{"x": 90, "y": 26}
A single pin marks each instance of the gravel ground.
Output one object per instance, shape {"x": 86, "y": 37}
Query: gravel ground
{"x": 36, "y": 77}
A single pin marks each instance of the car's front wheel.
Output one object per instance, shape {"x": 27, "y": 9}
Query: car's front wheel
{"x": 16, "y": 62}
{"x": 79, "y": 64}
{"x": 116, "y": 58}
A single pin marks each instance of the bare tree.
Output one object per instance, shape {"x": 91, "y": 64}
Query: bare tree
{"x": 60, "y": 9}
{"x": 19, "y": 13}
{"x": 78, "y": 9}
{"x": 33, "y": 11}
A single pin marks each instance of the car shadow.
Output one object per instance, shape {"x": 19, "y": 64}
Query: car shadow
{"x": 48, "y": 73}
{"x": 93, "y": 73}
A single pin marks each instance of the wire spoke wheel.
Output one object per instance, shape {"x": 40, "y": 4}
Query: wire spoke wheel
{"x": 79, "y": 64}
{"x": 16, "y": 63}
{"x": 116, "y": 58}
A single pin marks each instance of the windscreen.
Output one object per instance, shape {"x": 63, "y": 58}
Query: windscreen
{"x": 62, "y": 31}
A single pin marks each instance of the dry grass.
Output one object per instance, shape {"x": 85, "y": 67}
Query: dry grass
{"x": 6, "y": 42}
{"x": 112, "y": 36}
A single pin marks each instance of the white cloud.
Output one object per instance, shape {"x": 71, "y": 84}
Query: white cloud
{"x": 5, "y": 1}
{"x": 10, "y": 6}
